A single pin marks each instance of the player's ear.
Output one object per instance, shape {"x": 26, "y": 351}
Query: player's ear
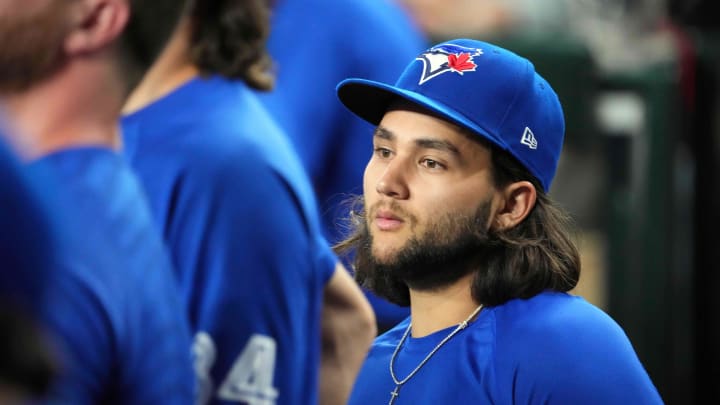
{"x": 517, "y": 200}
{"x": 95, "y": 24}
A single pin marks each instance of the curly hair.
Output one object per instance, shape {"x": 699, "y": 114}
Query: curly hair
{"x": 229, "y": 38}
{"x": 536, "y": 255}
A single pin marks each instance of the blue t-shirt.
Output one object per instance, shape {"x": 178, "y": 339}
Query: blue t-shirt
{"x": 114, "y": 307}
{"x": 239, "y": 215}
{"x": 316, "y": 44}
{"x": 551, "y": 349}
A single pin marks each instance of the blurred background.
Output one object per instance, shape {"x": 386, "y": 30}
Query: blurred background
{"x": 639, "y": 81}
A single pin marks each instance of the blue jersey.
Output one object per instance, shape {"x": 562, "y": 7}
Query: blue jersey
{"x": 114, "y": 306}
{"x": 554, "y": 348}
{"x": 27, "y": 250}
{"x": 27, "y": 240}
{"x": 238, "y": 212}
{"x": 315, "y": 44}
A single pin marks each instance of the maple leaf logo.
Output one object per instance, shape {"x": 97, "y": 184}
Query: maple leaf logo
{"x": 461, "y": 62}
{"x": 447, "y": 58}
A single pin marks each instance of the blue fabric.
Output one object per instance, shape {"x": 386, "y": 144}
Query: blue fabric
{"x": 239, "y": 214}
{"x": 489, "y": 90}
{"x": 114, "y": 307}
{"x": 552, "y": 348}
{"x": 27, "y": 243}
{"x": 315, "y": 45}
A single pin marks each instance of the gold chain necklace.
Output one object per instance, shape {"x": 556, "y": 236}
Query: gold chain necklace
{"x": 398, "y": 383}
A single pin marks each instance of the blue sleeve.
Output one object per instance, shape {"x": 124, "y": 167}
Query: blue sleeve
{"x": 128, "y": 343}
{"x": 80, "y": 328}
{"x": 249, "y": 264}
{"x": 114, "y": 308}
{"x": 573, "y": 358}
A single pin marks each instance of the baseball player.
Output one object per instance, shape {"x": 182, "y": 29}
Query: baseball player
{"x": 239, "y": 216}
{"x": 456, "y": 223}
{"x": 114, "y": 310}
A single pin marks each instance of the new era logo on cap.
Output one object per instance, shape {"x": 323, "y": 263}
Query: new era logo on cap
{"x": 528, "y": 139}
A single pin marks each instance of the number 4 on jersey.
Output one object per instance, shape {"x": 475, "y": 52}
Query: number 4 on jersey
{"x": 251, "y": 377}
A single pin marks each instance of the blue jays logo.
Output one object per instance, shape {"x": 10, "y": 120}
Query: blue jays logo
{"x": 447, "y": 58}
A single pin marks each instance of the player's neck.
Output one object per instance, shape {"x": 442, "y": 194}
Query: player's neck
{"x": 78, "y": 106}
{"x": 432, "y": 311}
{"x": 172, "y": 69}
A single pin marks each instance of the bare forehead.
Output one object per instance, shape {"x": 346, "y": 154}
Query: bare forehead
{"x": 409, "y": 120}
{"x": 417, "y": 122}
{"x": 404, "y": 105}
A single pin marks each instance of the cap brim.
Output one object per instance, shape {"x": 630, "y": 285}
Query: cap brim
{"x": 370, "y": 100}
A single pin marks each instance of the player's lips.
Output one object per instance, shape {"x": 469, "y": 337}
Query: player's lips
{"x": 385, "y": 220}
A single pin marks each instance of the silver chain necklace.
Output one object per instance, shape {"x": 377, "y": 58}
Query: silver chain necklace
{"x": 399, "y": 383}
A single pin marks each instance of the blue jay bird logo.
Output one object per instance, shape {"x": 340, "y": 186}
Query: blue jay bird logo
{"x": 447, "y": 58}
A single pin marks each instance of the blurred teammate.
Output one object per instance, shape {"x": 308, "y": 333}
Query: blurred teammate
{"x": 240, "y": 217}
{"x": 27, "y": 253}
{"x": 315, "y": 44}
{"x": 66, "y": 67}
{"x": 456, "y": 223}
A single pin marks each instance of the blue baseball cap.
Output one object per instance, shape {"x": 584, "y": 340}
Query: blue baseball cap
{"x": 482, "y": 87}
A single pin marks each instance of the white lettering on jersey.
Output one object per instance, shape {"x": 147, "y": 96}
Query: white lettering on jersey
{"x": 251, "y": 376}
{"x": 203, "y": 353}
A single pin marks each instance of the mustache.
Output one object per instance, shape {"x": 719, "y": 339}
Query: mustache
{"x": 393, "y": 206}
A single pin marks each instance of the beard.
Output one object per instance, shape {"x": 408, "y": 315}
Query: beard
{"x": 32, "y": 45}
{"x": 448, "y": 250}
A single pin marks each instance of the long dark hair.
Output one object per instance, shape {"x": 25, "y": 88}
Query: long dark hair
{"x": 536, "y": 255}
{"x": 229, "y": 38}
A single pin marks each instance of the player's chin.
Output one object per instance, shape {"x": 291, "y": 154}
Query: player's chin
{"x": 385, "y": 254}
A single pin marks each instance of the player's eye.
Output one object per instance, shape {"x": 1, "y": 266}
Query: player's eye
{"x": 432, "y": 164}
{"x": 383, "y": 152}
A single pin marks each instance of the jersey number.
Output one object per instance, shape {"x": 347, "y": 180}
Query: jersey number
{"x": 251, "y": 376}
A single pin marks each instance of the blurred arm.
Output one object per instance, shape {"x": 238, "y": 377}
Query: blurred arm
{"x": 348, "y": 329}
